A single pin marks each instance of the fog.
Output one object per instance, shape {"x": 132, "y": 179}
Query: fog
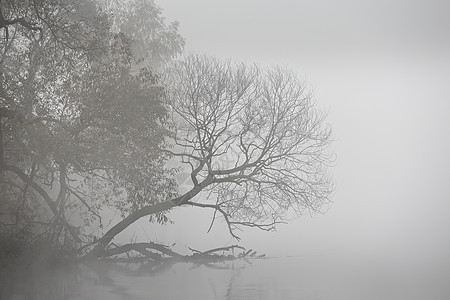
{"x": 381, "y": 71}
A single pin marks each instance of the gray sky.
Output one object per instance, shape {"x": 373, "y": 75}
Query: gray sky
{"x": 382, "y": 71}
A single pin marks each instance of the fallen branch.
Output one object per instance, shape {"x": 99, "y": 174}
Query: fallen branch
{"x": 246, "y": 253}
{"x": 142, "y": 248}
{"x": 165, "y": 254}
{"x": 224, "y": 249}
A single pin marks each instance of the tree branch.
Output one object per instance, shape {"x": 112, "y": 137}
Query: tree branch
{"x": 4, "y": 23}
{"x": 228, "y": 248}
{"x": 142, "y": 248}
{"x": 224, "y": 214}
{"x": 25, "y": 178}
{"x": 85, "y": 203}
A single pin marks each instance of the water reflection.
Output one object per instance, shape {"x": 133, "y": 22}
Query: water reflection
{"x": 238, "y": 279}
{"x": 269, "y": 278}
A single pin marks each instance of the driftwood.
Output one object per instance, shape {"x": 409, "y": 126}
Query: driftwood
{"x": 143, "y": 248}
{"x": 154, "y": 254}
{"x": 153, "y": 258}
{"x": 228, "y": 248}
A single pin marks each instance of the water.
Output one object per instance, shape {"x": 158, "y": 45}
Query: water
{"x": 271, "y": 278}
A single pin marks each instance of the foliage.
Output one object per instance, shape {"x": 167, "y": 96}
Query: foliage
{"x": 142, "y": 21}
{"x": 90, "y": 118}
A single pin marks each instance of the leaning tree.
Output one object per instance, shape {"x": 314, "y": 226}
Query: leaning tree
{"x": 251, "y": 138}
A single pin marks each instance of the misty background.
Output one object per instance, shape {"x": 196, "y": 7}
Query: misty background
{"x": 382, "y": 70}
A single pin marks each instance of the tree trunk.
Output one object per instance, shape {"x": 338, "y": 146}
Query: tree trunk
{"x": 99, "y": 249}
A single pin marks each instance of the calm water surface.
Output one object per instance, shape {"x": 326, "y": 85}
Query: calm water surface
{"x": 270, "y": 278}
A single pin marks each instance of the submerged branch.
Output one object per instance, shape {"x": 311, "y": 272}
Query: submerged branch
{"x": 224, "y": 249}
{"x": 168, "y": 256}
{"x": 142, "y": 248}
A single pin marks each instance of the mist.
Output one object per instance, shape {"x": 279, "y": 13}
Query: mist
{"x": 380, "y": 70}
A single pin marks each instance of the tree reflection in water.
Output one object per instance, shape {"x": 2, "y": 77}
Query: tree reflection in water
{"x": 117, "y": 280}
{"x": 243, "y": 278}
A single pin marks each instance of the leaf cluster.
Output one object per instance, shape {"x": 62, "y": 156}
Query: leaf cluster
{"x": 92, "y": 120}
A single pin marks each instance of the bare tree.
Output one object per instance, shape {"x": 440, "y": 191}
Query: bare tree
{"x": 253, "y": 140}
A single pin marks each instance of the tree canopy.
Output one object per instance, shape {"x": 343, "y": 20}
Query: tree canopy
{"x": 83, "y": 117}
{"x": 255, "y": 134}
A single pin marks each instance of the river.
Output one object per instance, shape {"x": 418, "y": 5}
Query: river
{"x": 268, "y": 278}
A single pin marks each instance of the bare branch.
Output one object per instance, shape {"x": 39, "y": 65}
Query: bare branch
{"x": 142, "y": 248}
{"x": 257, "y": 133}
{"x": 44, "y": 195}
{"x": 4, "y": 23}
{"x": 224, "y": 214}
{"x": 227, "y": 248}
{"x": 79, "y": 197}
